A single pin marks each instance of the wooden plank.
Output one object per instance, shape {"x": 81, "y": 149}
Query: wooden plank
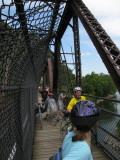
{"x": 47, "y": 142}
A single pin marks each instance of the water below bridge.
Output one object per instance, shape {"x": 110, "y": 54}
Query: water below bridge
{"x": 109, "y": 122}
{"x": 112, "y": 106}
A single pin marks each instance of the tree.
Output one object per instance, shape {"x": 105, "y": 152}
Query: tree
{"x": 98, "y": 84}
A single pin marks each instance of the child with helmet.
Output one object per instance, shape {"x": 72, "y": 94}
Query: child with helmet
{"x": 76, "y": 145}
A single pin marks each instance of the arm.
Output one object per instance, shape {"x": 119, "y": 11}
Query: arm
{"x": 62, "y": 95}
{"x": 69, "y": 110}
{"x": 70, "y": 105}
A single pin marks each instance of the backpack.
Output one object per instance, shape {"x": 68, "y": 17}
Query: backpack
{"x": 84, "y": 109}
{"x": 57, "y": 156}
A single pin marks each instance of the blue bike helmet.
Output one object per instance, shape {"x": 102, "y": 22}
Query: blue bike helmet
{"x": 85, "y": 113}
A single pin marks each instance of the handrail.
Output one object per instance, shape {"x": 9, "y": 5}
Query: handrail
{"x": 110, "y": 112}
{"x": 97, "y": 97}
{"x": 107, "y": 136}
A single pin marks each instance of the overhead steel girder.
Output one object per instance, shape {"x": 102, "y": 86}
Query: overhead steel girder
{"x": 54, "y": 16}
{"x": 66, "y": 17}
{"x": 106, "y": 48}
{"x": 23, "y": 22}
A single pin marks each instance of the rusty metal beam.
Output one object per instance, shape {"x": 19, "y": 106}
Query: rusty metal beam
{"x": 54, "y": 16}
{"x": 56, "y": 64}
{"x": 69, "y": 63}
{"x": 69, "y": 53}
{"x": 23, "y": 22}
{"x": 77, "y": 50}
{"x": 50, "y": 74}
{"x": 66, "y": 17}
{"x": 106, "y": 48}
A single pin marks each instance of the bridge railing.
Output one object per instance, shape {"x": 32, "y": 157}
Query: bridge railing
{"x": 108, "y": 132}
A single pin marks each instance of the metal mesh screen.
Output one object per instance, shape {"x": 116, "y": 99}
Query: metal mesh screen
{"x": 108, "y": 135}
{"x": 26, "y": 29}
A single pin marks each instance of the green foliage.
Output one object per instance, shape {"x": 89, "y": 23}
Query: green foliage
{"x": 98, "y": 84}
{"x": 108, "y": 105}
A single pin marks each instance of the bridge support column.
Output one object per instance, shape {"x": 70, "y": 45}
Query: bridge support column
{"x": 56, "y": 64}
{"x": 50, "y": 74}
{"x": 77, "y": 50}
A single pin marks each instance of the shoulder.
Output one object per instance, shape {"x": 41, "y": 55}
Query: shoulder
{"x": 79, "y": 151}
{"x": 70, "y": 134}
{"x": 83, "y": 98}
{"x": 52, "y": 99}
{"x": 68, "y": 137}
{"x": 73, "y": 99}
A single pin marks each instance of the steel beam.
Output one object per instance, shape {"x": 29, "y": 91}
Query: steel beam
{"x": 77, "y": 50}
{"x": 106, "y": 48}
{"x": 56, "y": 64}
{"x": 54, "y": 16}
{"x": 66, "y": 17}
{"x": 69, "y": 53}
{"x": 50, "y": 70}
{"x": 22, "y": 19}
{"x": 23, "y": 22}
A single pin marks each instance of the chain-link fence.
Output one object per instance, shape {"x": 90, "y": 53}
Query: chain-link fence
{"x": 108, "y": 135}
{"x": 26, "y": 29}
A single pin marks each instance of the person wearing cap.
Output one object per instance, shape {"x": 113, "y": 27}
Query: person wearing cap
{"x": 76, "y": 145}
{"x": 77, "y": 98}
{"x": 51, "y": 104}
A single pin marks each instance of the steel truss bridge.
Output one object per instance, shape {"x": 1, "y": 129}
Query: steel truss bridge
{"x": 27, "y": 29}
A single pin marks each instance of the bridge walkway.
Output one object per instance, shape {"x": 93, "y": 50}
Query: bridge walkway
{"x": 47, "y": 142}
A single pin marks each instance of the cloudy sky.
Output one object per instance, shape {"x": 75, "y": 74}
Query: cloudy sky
{"x": 107, "y": 13}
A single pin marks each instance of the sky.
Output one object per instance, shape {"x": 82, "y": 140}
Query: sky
{"x": 107, "y": 12}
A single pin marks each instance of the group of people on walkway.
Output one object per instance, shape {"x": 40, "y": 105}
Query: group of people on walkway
{"x": 84, "y": 116}
{"x": 50, "y": 105}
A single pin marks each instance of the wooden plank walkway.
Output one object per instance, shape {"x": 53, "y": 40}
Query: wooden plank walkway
{"x": 47, "y": 142}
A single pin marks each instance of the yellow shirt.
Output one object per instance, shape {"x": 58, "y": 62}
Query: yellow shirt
{"x": 74, "y": 101}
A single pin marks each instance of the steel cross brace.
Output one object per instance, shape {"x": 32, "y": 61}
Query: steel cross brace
{"x": 23, "y": 22}
{"x": 106, "y": 48}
